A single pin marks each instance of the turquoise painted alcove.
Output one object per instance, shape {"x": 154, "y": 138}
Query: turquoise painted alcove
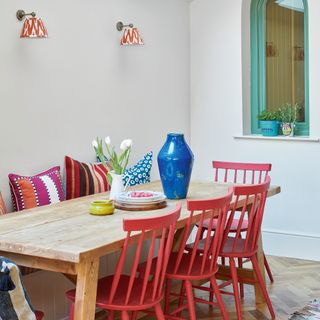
{"x": 258, "y": 65}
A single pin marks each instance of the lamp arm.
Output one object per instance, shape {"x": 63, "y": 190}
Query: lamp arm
{"x": 21, "y": 14}
{"x": 120, "y": 26}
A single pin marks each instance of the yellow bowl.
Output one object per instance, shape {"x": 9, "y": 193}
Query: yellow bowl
{"x": 101, "y": 207}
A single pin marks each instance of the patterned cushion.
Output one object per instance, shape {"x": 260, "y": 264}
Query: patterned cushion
{"x": 14, "y": 302}
{"x": 39, "y": 190}
{"x": 140, "y": 172}
{"x": 83, "y": 179}
{"x": 3, "y": 209}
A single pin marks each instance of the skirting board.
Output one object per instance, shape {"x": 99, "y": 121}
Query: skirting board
{"x": 293, "y": 245}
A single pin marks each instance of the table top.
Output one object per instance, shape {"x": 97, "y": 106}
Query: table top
{"x": 66, "y": 231}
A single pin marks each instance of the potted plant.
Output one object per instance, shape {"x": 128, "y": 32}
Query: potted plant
{"x": 288, "y": 117}
{"x": 269, "y": 123}
{"x": 118, "y": 162}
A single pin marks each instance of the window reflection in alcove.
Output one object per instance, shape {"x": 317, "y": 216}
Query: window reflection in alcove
{"x": 285, "y": 60}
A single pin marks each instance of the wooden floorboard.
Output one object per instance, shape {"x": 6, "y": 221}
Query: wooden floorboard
{"x": 296, "y": 283}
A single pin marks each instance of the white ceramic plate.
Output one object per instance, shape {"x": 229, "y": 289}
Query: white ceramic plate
{"x": 126, "y": 197}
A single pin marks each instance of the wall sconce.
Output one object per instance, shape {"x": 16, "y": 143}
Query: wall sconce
{"x": 33, "y": 27}
{"x": 131, "y": 35}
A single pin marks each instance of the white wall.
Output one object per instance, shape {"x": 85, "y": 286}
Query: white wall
{"x": 57, "y": 94}
{"x": 292, "y": 220}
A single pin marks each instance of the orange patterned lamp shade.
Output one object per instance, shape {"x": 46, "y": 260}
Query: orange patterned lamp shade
{"x": 33, "y": 28}
{"x": 131, "y": 36}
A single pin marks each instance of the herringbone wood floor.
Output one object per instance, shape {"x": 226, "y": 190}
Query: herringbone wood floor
{"x": 296, "y": 283}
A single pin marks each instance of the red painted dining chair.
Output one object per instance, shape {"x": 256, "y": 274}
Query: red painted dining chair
{"x": 244, "y": 246}
{"x": 188, "y": 266}
{"x": 125, "y": 293}
{"x": 252, "y": 199}
{"x": 244, "y": 173}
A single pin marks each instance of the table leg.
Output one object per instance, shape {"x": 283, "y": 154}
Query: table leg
{"x": 260, "y": 258}
{"x": 86, "y": 292}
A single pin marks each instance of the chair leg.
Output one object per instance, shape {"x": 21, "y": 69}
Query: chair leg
{"x": 159, "y": 312}
{"x": 110, "y": 315}
{"x": 240, "y": 263}
{"x": 192, "y": 311}
{"x": 124, "y": 315}
{"x": 71, "y": 312}
{"x": 234, "y": 277}
{"x": 167, "y": 296}
{"x": 134, "y": 315}
{"x": 216, "y": 290}
{"x": 262, "y": 285}
{"x": 266, "y": 265}
{"x": 211, "y": 292}
{"x": 181, "y": 298}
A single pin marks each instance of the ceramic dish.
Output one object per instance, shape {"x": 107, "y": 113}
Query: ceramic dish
{"x": 153, "y": 197}
{"x": 101, "y": 207}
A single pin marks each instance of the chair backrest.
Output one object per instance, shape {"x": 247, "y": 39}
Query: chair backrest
{"x": 210, "y": 210}
{"x": 3, "y": 209}
{"x": 238, "y": 172}
{"x": 162, "y": 228}
{"x": 250, "y": 199}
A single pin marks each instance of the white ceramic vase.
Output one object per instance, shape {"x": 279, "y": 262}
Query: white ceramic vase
{"x": 116, "y": 185}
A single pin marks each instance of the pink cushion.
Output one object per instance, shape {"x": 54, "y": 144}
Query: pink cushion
{"x": 35, "y": 191}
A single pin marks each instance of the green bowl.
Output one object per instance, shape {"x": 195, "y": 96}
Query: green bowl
{"x": 101, "y": 207}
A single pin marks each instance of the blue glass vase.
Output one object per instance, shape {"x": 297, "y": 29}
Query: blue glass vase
{"x": 175, "y": 161}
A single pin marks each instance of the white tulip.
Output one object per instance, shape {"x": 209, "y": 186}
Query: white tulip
{"x": 95, "y": 144}
{"x": 125, "y": 144}
{"x": 129, "y": 143}
{"x": 107, "y": 140}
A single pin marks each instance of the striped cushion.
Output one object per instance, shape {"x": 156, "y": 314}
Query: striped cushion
{"x": 39, "y": 190}
{"x": 3, "y": 209}
{"x": 83, "y": 179}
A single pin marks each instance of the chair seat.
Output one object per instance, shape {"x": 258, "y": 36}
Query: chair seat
{"x": 231, "y": 248}
{"x": 233, "y": 228}
{"x": 182, "y": 272}
{"x": 118, "y": 303}
{"x": 195, "y": 273}
{"x": 236, "y": 248}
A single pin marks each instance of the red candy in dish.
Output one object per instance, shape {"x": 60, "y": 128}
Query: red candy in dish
{"x": 141, "y": 194}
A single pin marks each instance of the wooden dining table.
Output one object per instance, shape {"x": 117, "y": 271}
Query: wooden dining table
{"x": 65, "y": 238}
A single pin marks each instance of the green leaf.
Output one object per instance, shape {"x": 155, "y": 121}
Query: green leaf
{"x": 109, "y": 178}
